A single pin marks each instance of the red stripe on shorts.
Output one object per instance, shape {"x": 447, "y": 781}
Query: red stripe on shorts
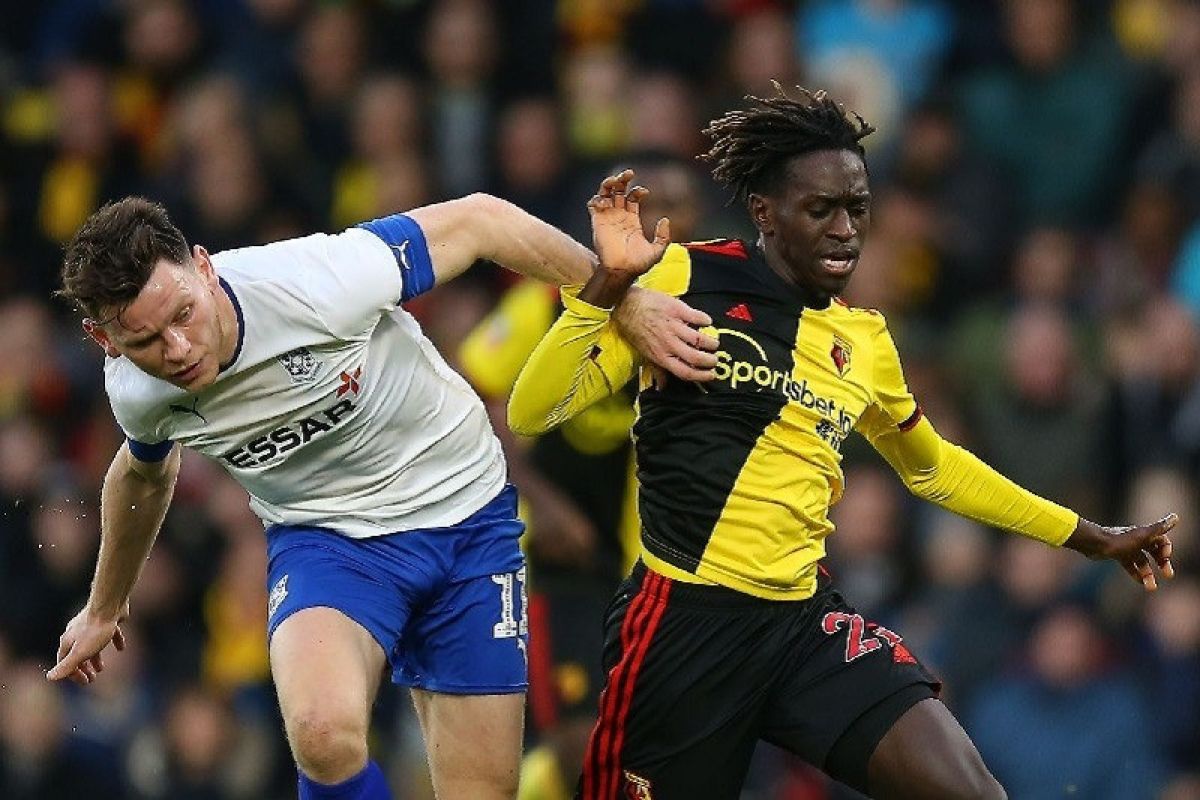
{"x": 662, "y": 589}
{"x": 594, "y": 770}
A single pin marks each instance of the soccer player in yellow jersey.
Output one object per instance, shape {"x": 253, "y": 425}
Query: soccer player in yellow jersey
{"x": 728, "y": 631}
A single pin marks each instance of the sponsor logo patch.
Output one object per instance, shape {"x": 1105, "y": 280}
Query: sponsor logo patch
{"x": 743, "y": 364}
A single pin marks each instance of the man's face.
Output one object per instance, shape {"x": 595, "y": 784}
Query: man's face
{"x": 817, "y": 224}
{"x": 173, "y": 329}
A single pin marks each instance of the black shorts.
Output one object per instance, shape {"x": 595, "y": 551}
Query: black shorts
{"x": 697, "y": 675}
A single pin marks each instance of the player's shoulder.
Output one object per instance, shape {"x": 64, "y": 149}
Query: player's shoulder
{"x": 857, "y": 325}
{"x": 272, "y": 261}
{"x": 321, "y": 283}
{"x": 702, "y": 265}
{"x": 139, "y": 401}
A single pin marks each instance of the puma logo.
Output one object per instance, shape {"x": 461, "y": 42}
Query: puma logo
{"x": 176, "y": 408}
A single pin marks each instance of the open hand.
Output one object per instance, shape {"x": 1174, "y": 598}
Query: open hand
{"x": 617, "y": 228}
{"x": 1137, "y": 548}
{"x": 80, "y": 647}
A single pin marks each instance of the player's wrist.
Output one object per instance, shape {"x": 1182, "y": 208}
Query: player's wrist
{"x": 1089, "y": 539}
{"x": 103, "y": 611}
{"x": 607, "y": 286}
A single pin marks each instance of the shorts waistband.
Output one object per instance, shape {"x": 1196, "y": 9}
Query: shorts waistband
{"x": 712, "y": 596}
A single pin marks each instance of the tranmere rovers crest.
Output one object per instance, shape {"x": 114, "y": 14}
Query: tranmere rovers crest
{"x": 301, "y": 365}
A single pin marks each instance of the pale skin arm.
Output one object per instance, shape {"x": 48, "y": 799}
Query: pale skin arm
{"x": 479, "y": 226}
{"x": 133, "y": 503}
{"x": 460, "y": 232}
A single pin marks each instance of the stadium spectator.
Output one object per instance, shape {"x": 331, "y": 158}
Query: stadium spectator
{"x": 99, "y": 98}
{"x": 1072, "y": 724}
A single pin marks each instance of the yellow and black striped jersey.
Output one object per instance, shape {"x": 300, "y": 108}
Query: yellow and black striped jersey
{"x": 736, "y": 476}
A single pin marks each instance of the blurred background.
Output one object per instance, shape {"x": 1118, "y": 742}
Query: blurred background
{"x": 1036, "y": 248}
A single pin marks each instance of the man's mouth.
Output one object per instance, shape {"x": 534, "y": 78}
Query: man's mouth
{"x": 187, "y": 373}
{"x": 840, "y": 263}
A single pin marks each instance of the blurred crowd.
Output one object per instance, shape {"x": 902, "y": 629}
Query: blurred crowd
{"x": 1036, "y": 249}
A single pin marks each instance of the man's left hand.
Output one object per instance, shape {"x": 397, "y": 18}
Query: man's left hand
{"x": 1138, "y": 549}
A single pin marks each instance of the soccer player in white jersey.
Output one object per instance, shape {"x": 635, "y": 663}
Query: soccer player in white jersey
{"x": 391, "y": 531}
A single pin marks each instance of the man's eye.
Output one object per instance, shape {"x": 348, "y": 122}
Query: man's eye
{"x": 185, "y": 315}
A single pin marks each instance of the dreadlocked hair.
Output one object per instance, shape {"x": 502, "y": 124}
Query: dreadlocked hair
{"x": 751, "y": 146}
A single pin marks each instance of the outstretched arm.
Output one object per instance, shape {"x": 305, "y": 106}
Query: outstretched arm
{"x": 955, "y": 479}
{"x": 948, "y": 475}
{"x": 133, "y": 502}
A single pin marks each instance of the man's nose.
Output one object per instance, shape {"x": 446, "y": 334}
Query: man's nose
{"x": 841, "y": 227}
{"x": 178, "y": 345}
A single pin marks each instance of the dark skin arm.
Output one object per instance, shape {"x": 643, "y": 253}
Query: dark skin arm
{"x": 1136, "y": 548}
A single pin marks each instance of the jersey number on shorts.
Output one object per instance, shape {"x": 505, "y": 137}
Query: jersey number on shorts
{"x": 859, "y": 641}
{"x": 509, "y": 626}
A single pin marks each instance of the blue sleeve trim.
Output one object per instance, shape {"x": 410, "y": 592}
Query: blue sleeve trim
{"x": 150, "y": 452}
{"x": 407, "y": 241}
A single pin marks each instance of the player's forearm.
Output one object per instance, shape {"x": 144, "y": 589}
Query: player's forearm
{"x": 525, "y": 244}
{"x": 967, "y": 486}
{"x": 132, "y": 509}
{"x": 958, "y": 481}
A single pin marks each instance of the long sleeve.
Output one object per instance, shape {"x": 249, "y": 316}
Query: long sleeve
{"x": 943, "y": 473}
{"x": 581, "y": 359}
{"x": 955, "y": 479}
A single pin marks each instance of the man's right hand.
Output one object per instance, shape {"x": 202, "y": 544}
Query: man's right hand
{"x": 80, "y": 647}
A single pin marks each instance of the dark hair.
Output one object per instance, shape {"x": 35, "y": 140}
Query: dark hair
{"x": 110, "y": 258}
{"x": 751, "y": 146}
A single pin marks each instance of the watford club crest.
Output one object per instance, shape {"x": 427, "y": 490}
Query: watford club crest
{"x": 636, "y": 787}
{"x": 840, "y": 353}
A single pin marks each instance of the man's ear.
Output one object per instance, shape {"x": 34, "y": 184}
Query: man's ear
{"x": 762, "y": 213}
{"x": 100, "y": 337}
{"x": 204, "y": 265}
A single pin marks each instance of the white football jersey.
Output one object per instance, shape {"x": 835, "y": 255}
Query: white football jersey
{"x": 336, "y": 411}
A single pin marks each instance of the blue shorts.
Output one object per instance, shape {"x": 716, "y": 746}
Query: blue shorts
{"x": 447, "y": 605}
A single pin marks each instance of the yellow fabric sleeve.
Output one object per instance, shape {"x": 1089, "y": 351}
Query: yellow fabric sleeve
{"x": 493, "y": 352}
{"x": 955, "y": 479}
{"x": 943, "y": 473}
{"x": 581, "y": 360}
